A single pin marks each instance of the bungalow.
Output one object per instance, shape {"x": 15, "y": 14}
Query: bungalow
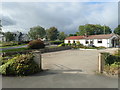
{"x": 105, "y": 40}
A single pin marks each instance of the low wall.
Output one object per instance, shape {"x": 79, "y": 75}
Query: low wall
{"x": 45, "y": 50}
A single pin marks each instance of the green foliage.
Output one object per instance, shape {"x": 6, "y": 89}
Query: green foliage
{"x": 72, "y": 34}
{"x": 62, "y": 44}
{"x": 52, "y": 33}
{"x": 91, "y": 29}
{"x": 36, "y": 44}
{"x": 56, "y": 42}
{"x": 9, "y": 36}
{"x": 69, "y": 44}
{"x": 117, "y": 30}
{"x": 11, "y": 43}
{"x": 113, "y": 68}
{"x": 3, "y": 60}
{"x": 15, "y": 49}
{"x": 110, "y": 59}
{"x": 20, "y": 65}
{"x": 62, "y": 36}
{"x": 37, "y": 32}
{"x": 117, "y": 53}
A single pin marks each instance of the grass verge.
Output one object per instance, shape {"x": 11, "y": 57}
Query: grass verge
{"x": 13, "y": 46}
{"x": 16, "y": 49}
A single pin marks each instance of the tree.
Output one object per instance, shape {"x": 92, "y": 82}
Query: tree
{"x": 62, "y": 36}
{"x": 9, "y": 36}
{"x": 52, "y": 33}
{"x": 91, "y": 29}
{"x": 37, "y": 32}
{"x": 72, "y": 34}
{"x": 117, "y": 30}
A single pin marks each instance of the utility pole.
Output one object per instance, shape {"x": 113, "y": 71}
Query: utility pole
{"x": 104, "y": 28}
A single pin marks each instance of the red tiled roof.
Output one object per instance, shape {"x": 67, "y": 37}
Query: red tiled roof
{"x": 75, "y": 37}
{"x": 102, "y": 36}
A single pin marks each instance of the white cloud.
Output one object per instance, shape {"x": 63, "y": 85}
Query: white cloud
{"x": 65, "y": 16}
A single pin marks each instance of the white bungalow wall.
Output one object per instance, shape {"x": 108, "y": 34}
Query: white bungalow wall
{"x": 105, "y": 42}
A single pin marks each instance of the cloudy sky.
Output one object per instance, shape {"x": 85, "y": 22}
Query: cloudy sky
{"x": 66, "y": 16}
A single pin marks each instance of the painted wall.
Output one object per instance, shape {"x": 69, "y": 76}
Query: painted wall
{"x": 105, "y": 42}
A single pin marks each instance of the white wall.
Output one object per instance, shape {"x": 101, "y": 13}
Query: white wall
{"x": 105, "y": 42}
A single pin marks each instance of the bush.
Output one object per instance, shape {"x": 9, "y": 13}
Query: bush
{"x": 62, "y": 44}
{"x": 73, "y": 44}
{"x": 56, "y": 42}
{"x": 117, "y": 53}
{"x": 36, "y": 44}
{"x": 20, "y": 65}
{"x": 69, "y": 44}
{"x": 110, "y": 59}
{"x": 113, "y": 68}
{"x": 9, "y": 43}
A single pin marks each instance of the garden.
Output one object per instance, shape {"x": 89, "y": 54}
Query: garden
{"x": 78, "y": 45}
{"x": 21, "y": 64}
{"x": 112, "y": 63}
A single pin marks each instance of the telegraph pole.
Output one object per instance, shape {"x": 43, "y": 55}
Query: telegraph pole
{"x": 104, "y": 28}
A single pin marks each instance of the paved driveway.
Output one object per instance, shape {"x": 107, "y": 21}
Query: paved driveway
{"x": 72, "y": 60}
{"x": 80, "y": 61}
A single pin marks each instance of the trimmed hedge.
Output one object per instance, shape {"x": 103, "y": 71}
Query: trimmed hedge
{"x": 20, "y": 65}
{"x": 56, "y": 42}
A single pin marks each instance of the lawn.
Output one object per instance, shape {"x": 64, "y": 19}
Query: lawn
{"x": 13, "y": 46}
{"x": 16, "y": 49}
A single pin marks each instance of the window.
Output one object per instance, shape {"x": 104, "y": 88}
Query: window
{"x": 73, "y": 41}
{"x": 68, "y": 41}
{"x": 91, "y": 42}
{"x": 86, "y": 42}
{"x": 100, "y": 41}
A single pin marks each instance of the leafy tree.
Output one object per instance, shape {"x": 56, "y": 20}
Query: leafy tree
{"x": 117, "y": 30}
{"x": 62, "y": 36}
{"x": 52, "y": 33}
{"x": 72, "y": 34}
{"x": 9, "y": 36}
{"x": 91, "y": 29}
{"x": 37, "y": 32}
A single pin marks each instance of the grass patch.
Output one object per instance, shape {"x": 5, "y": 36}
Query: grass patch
{"x": 16, "y": 49}
{"x": 13, "y": 46}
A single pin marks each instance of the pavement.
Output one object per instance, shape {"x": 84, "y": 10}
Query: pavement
{"x": 13, "y": 47}
{"x": 60, "y": 79}
{"x": 65, "y": 69}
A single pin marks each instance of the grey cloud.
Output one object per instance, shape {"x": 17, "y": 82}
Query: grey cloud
{"x": 7, "y": 21}
{"x": 65, "y": 16}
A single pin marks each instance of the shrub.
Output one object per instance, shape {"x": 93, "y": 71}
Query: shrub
{"x": 117, "y": 53}
{"x": 73, "y": 44}
{"x": 101, "y": 47}
{"x": 113, "y": 68}
{"x": 12, "y": 43}
{"x": 77, "y": 43}
{"x": 36, "y": 44}
{"x": 69, "y": 44}
{"x": 62, "y": 44}
{"x": 110, "y": 59}
{"x": 56, "y": 42}
{"x": 20, "y": 65}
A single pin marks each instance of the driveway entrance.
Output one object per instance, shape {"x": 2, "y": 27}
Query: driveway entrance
{"x": 72, "y": 61}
